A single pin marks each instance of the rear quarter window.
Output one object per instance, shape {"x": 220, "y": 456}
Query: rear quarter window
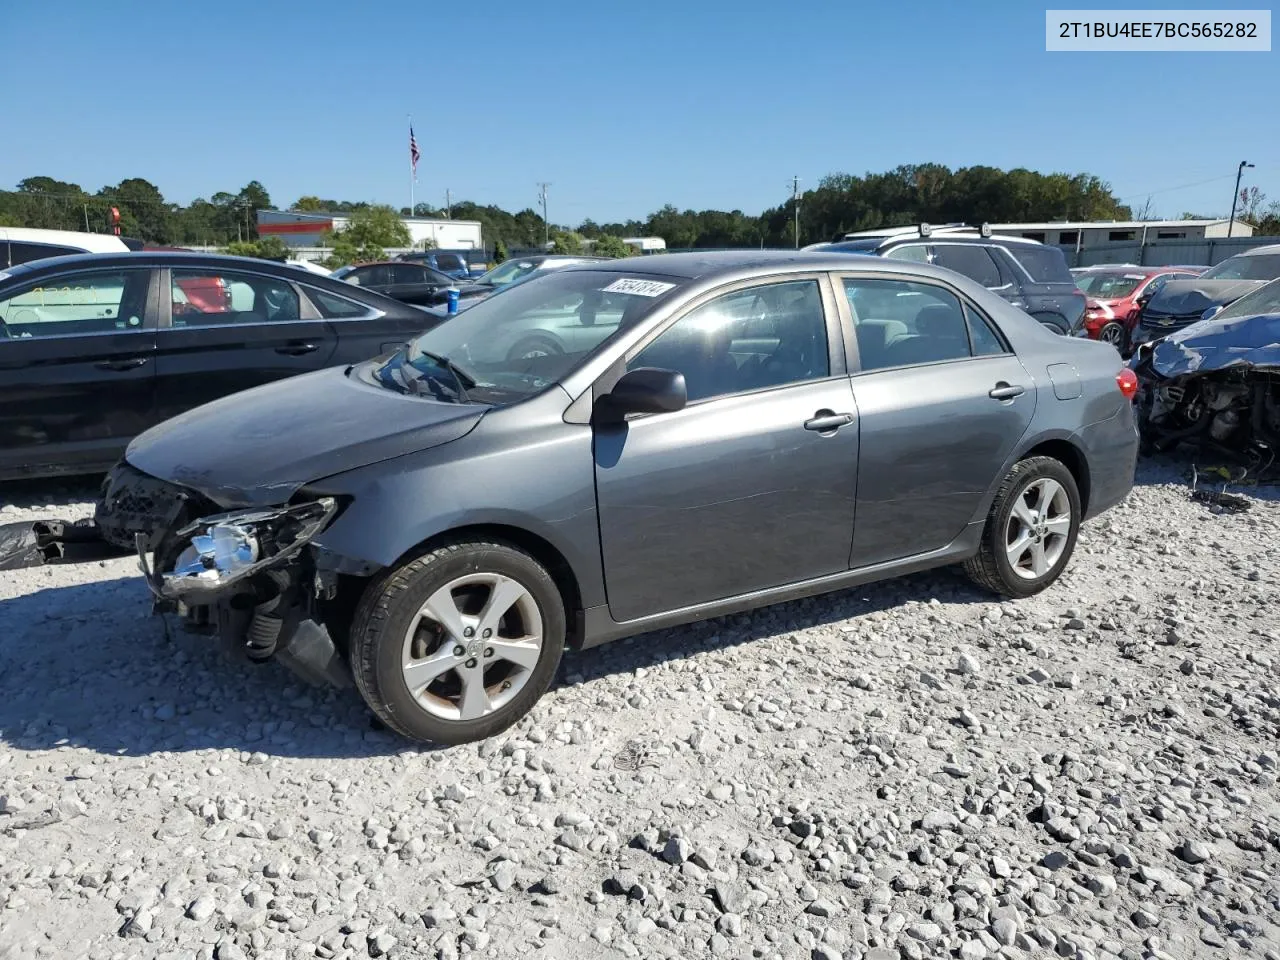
{"x": 1044, "y": 264}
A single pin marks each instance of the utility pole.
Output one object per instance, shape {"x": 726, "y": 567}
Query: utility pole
{"x": 795, "y": 202}
{"x": 1236, "y": 196}
{"x": 546, "y": 227}
{"x": 448, "y": 204}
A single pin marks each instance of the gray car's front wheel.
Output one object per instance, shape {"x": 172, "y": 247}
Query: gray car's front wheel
{"x": 459, "y": 643}
{"x": 1031, "y": 529}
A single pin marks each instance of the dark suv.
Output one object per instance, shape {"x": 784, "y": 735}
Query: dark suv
{"x": 1030, "y": 275}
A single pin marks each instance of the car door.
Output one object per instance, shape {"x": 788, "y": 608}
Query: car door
{"x": 77, "y": 368}
{"x": 941, "y": 403}
{"x": 415, "y": 283}
{"x": 222, "y": 331}
{"x": 751, "y": 485}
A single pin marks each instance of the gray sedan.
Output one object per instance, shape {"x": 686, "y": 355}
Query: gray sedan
{"x": 695, "y": 434}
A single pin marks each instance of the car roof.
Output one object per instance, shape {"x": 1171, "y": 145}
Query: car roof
{"x": 94, "y": 242}
{"x": 1258, "y": 251}
{"x": 715, "y": 264}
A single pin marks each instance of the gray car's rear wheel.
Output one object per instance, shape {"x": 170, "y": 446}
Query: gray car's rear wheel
{"x": 459, "y": 643}
{"x": 1031, "y": 529}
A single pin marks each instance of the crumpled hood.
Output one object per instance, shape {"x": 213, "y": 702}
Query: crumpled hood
{"x": 1185, "y": 297}
{"x": 257, "y": 447}
{"x": 1218, "y": 344}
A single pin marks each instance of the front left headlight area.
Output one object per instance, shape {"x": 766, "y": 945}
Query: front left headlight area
{"x": 213, "y": 553}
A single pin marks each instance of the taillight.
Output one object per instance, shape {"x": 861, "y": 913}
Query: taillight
{"x": 1127, "y": 381}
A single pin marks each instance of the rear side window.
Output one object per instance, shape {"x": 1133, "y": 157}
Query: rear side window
{"x": 917, "y": 252}
{"x": 901, "y": 323}
{"x": 26, "y": 252}
{"x": 449, "y": 261}
{"x": 1045, "y": 264}
{"x": 93, "y": 302}
{"x": 208, "y": 297}
{"x": 333, "y": 307}
{"x": 972, "y": 260}
{"x": 408, "y": 273}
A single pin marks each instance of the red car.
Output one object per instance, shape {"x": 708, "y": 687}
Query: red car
{"x": 1115, "y": 293}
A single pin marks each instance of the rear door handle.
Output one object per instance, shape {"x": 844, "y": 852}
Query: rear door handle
{"x": 297, "y": 349}
{"x": 1006, "y": 391}
{"x": 131, "y": 364}
{"x": 825, "y": 421}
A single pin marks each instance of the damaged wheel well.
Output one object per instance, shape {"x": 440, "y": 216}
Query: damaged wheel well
{"x": 1070, "y": 457}
{"x": 536, "y": 547}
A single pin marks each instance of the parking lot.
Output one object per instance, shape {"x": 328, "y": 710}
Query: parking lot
{"x": 906, "y": 769}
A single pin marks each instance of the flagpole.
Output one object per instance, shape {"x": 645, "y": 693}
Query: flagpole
{"x": 411, "y": 171}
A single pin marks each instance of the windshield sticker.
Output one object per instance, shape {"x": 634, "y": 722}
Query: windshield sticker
{"x": 640, "y": 288}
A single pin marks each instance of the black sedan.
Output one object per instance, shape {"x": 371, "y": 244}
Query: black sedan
{"x": 96, "y": 348}
{"x": 413, "y": 283}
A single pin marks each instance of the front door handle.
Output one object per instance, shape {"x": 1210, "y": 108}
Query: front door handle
{"x": 297, "y": 349}
{"x": 824, "y": 421}
{"x": 131, "y": 364}
{"x": 1006, "y": 391}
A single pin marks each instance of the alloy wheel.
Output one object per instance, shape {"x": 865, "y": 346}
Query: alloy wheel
{"x": 1038, "y": 528}
{"x": 472, "y": 646}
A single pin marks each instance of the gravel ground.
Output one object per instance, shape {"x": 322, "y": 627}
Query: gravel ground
{"x": 906, "y": 769}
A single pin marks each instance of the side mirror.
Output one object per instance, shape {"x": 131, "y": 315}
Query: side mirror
{"x": 643, "y": 390}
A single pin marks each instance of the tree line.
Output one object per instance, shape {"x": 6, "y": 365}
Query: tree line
{"x": 840, "y": 203}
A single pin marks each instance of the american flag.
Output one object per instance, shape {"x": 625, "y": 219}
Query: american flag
{"x": 413, "y": 152}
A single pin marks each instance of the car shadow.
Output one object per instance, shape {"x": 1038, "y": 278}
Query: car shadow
{"x": 87, "y": 666}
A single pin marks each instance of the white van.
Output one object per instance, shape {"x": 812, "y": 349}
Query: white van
{"x": 23, "y": 244}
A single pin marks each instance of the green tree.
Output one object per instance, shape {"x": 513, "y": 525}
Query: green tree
{"x": 608, "y": 245}
{"x": 365, "y": 236}
{"x": 308, "y": 204}
{"x": 565, "y": 241}
{"x": 265, "y": 248}
{"x": 499, "y": 251}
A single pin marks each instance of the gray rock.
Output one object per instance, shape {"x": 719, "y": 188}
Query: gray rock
{"x": 822, "y": 908}
{"x": 924, "y": 931}
{"x": 732, "y": 897}
{"x": 1193, "y": 851}
{"x": 1004, "y": 930}
{"x": 201, "y": 908}
{"x": 677, "y": 850}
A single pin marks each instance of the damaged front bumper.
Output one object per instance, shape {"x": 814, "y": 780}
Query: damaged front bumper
{"x": 247, "y": 577}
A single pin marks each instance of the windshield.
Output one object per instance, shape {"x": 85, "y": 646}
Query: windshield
{"x": 1263, "y": 300}
{"x": 509, "y": 347}
{"x": 508, "y": 272}
{"x": 1263, "y": 266}
{"x": 1108, "y": 286}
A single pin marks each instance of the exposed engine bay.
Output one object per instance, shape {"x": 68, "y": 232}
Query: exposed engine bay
{"x": 1216, "y": 387}
{"x": 247, "y": 577}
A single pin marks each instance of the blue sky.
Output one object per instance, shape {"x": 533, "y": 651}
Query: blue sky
{"x": 622, "y": 107}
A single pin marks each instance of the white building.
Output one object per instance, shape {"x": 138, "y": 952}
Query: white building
{"x": 299, "y": 229}
{"x": 1091, "y": 234}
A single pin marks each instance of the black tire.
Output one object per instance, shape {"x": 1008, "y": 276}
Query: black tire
{"x": 534, "y": 346}
{"x": 990, "y": 567}
{"x": 391, "y": 602}
{"x": 1115, "y": 334}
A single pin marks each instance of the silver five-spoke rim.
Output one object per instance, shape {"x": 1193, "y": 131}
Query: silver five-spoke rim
{"x": 1038, "y": 528}
{"x": 472, "y": 646}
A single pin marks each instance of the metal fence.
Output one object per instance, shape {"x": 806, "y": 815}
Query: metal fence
{"x": 1161, "y": 253}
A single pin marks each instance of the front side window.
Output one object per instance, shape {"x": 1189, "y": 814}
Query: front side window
{"x": 449, "y": 261}
{"x": 750, "y": 339}
{"x": 1263, "y": 300}
{"x": 902, "y": 323}
{"x": 204, "y": 298}
{"x": 972, "y": 260}
{"x": 91, "y": 302}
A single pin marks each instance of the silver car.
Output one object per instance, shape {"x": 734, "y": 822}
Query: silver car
{"x": 617, "y": 447}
